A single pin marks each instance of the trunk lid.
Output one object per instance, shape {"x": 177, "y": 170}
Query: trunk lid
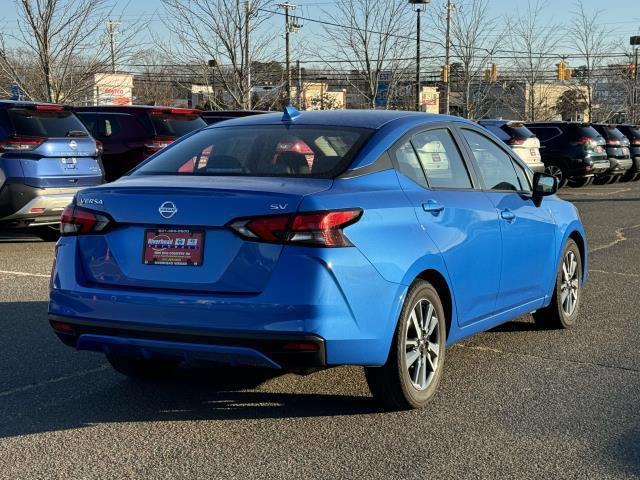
{"x": 195, "y": 204}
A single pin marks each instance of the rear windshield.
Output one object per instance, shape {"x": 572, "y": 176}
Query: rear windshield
{"x": 265, "y": 150}
{"x": 632, "y": 132}
{"x": 46, "y": 123}
{"x": 613, "y": 133}
{"x": 585, "y": 131}
{"x": 171, "y": 125}
{"x": 517, "y": 130}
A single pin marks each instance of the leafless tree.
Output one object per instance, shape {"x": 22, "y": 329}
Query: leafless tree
{"x": 221, "y": 39}
{"x": 156, "y": 82}
{"x": 532, "y": 44}
{"x": 369, "y": 38}
{"x": 475, "y": 38}
{"x": 59, "y": 46}
{"x": 590, "y": 38}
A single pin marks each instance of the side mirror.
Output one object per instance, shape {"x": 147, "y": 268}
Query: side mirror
{"x": 544, "y": 185}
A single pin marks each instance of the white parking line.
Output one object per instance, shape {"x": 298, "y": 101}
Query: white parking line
{"x": 635, "y": 275}
{"x": 24, "y": 274}
{"x": 53, "y": 380}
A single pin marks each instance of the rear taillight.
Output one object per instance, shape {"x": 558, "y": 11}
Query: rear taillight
{"x": 75, "y": 220}
{"x": 99, "y": 148}
{"x": 157, "y": 144}
{"x": 20, "y": 144}
{"x": 324, "y": 229}
{"x": 517, "y": 141}
{"x": 613, "y": 142}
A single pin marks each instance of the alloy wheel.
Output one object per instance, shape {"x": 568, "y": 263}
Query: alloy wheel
{"x": 555, "y": 171}
{"x": 570, "y": 284}
{"x": 422, "y": 344}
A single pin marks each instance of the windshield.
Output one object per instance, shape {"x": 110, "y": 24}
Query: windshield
{"x": 264, "y": 150}
{"x": 171, "y": 125}
{"x": 46, "y": 123}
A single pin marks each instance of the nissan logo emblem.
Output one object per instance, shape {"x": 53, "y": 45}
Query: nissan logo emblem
{"x": 73, "y": 144}
{"x": 168, "y": 209}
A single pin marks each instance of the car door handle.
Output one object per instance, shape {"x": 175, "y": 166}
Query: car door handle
{"x": 432, "y": 206}
{"x": 507, "y": 215}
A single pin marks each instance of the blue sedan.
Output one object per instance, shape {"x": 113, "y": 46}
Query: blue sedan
{"x": 301, "y": 241}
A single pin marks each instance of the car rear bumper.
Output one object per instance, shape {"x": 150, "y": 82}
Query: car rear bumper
{"x": 537, "y": 167}
{"x": 24, "y": 206}
{"x": 278, "y": 351}
{"x": 335, "y": 295}
{"x": 619, "y": 166}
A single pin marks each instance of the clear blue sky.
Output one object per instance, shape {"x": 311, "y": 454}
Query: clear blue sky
{"x": 622, "y": 16}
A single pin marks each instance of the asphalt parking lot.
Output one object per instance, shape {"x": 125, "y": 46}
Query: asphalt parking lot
{"x": 516, "y": 402}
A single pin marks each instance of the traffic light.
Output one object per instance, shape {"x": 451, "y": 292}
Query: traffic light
{"x": 491, "y": 74}
{"x": 444, "y": 73}
{"x": 560, "y": 72}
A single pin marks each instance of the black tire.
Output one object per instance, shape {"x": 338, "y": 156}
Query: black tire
{"x": 392, "y": 384}
{"x": 602, "y": 180}
{"x": 613, "y": 179}
{"x": 143, "y": 369}
{"x": 556, "y": 315}
{"x": 636, "y": 177}
{"x": 580, "y": 182}
{"x": 48, "y": 233}
{"x": 559, "y": 173}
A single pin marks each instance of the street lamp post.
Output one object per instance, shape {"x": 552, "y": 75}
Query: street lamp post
{"x": 418, "y": 10}
{"x": 213, "y": 64}
{"x": 635, "y": 42}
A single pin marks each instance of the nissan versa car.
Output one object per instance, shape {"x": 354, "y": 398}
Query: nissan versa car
{"x": 46, "y": 156}
{"x": 227, "y": 247}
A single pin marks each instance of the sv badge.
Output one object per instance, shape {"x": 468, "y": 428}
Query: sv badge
{"x": 279, "y": 206}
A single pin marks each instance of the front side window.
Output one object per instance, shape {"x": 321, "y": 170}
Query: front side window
{"x": 441, "y": 160}
{"x": 261, "y": 150}
{"x": 496, "y": 167}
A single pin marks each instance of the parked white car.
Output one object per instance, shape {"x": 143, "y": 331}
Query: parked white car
{"x": 521, "y": 140}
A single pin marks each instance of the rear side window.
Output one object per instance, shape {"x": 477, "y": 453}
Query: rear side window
{"x": 496, "y": 167}
{"x": 409, "y": 165}
{"x": 441, "y": 160}
{"x": 46, "y": 123}
{"x": 112, "y": 125}
{"x": 545, "y": 133}
{"x": 172, "y": 125}
{"x": 265, "y": 150}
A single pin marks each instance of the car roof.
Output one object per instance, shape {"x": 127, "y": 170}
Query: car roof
{"x": 128, "y": 108}
{"x": 23, "y": 103}
{"x": 373, "y": 119}
{"x": 232, "y": 113}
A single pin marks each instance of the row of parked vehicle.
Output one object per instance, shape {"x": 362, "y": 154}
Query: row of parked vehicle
{"x": 577, "y": 154}
{"x": 48, "y": 152}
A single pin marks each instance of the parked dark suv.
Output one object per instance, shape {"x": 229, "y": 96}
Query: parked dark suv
{"x": 215, "y": 116}
{"x": 46, "y": 156}
{"x": 130, "y": 134}
{"x": 618, "y": 153}
{"x": 572, "y": 152}
{"x": 632, "y": 132}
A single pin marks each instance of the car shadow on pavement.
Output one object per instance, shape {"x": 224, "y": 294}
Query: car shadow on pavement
{"x": 12, "y": 236}
{"x": 46, "y": 386}
{"x": 522, "y": 324}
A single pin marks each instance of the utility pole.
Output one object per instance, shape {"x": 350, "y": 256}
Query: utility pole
{"x": 447, "y": 61}
{"x": 112, "y": 31}
{"x": 247, "y": 10}
{"x": 299, "y": 84}
{"x": 290, "y": 26}
{"x": 418, "y": 81}
{"x": 635, "y": 42}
